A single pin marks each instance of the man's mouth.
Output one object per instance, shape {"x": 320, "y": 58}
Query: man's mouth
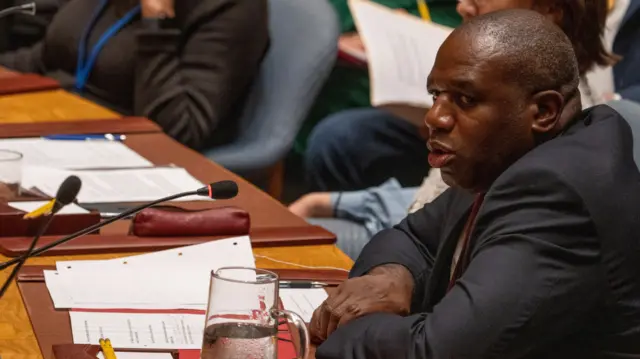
{"x": 439, "y": 157}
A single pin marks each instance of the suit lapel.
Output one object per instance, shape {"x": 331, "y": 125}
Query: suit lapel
{"x": 456, "y": 220}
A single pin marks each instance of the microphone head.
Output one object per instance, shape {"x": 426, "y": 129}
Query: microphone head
{"x": 220, "y": 190}
{"x": 68, "y": 190}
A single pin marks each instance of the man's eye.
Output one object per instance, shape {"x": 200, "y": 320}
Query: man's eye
{"x": 434, "y": 95}
{"x": 466, "y": 100}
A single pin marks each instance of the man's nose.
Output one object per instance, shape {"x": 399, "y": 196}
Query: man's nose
{"x": 467, "y": 9}
{"x": 440, "y": 116}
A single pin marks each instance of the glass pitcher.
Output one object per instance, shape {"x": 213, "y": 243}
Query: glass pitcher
{"x": 243, "y": 316}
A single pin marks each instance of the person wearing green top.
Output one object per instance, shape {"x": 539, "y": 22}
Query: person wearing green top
{"x": 355, "y": 146}
{"x": 348, "y": 86}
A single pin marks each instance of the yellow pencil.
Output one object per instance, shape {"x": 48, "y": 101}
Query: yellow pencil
{"x": 44, "y": 210}
{"x": 107, "y": 349}
{"x": 424, "y": 10}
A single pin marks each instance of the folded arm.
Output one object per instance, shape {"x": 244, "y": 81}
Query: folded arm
{"x": 28, "y": 59}
{"x": 533, "y": 278}
{"x": 189, "y": 90}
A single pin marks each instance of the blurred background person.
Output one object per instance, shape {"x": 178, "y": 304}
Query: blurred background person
{"x": 187, "y": 64}
{"x": 348, "y": 85}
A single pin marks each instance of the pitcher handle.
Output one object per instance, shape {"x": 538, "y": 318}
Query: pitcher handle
{"x": 303, "y": 332}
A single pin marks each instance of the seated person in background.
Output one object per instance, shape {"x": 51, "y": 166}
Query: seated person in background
{"x": 187, "y": 64}
{"x": 348, "y": 85}
{"x": 359, "y": 215}
{"x": 533, "y": 252}
{"x": 367, "y": 148}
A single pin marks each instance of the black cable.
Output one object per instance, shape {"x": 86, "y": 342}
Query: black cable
{"x": 96, "y": 227}
{"x": 26, "y": 255}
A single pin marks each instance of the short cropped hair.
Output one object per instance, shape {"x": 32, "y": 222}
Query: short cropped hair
{"x": 531, "y": 50}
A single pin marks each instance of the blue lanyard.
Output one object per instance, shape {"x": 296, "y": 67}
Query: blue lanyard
{"x": 84, "y": 66}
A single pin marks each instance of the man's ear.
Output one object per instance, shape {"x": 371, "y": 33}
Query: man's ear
{"x": 547, "y": 106}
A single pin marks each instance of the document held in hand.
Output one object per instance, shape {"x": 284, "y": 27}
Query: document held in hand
{"x": 401, "y": 50}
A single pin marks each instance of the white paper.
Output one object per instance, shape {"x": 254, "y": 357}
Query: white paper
{"x": 33, "y": 205}
{"x": 173, "y": 279}
{"x": 116, "y": 186}
{"x": 401, "y": 50}
{"x": 138, "y": 330}
{"x": 136, "y": 355}
{"x": 303, "y": 301}
{"x": 75, "y": 154}
{"x": 234, "y": 251}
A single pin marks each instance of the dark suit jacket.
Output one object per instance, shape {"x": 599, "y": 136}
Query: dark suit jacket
{"x": 555, "y": 261}
{"x": 627, "y": 44}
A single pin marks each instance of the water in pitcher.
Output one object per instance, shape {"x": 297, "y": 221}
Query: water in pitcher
{"x": 239, "y": 341}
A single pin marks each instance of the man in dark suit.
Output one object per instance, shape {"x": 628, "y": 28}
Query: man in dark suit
{"x": 534, "y": 251}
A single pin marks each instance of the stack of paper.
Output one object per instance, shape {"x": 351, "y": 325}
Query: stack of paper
{"x": 158, "y": 300}
{"x": 116, "y": 185}
{"x": 74, "y": 154}
{"x": 110, "y": 171}
{"x": 401, "y": 50}
{"x": 171, "y": 279}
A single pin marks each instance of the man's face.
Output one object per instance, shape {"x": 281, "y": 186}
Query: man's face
{"x": 479, "y": 123}
{"x": 471, "y": 8}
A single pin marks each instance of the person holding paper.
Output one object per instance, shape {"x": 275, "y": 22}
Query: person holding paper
{"x": 348, "y": 85}
{"x": 533, "y": 252}
{"x": 357, "y": 215}
{"x": 359, "y": 149}
{"x": 186, "y": 64}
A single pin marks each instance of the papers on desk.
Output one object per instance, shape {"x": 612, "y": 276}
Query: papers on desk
{"x": 401, "y": 50}
{"x": 139, "y": 330}
{"x": 114, "y": 186}
{"x": 29, "y": 206}
{"x": 75, "y": 154}
{"x": 303, "y": 301}
{"x": 173, "y": 279}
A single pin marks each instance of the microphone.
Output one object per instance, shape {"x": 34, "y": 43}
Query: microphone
{"x": 66, "y": 194}
{"x": 216, "y": 190}
{"x": 219, "y": 190}
{"x": 28, "y": 9}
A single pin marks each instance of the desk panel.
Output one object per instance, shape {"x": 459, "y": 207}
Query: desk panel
{"x": 17, "y": 340}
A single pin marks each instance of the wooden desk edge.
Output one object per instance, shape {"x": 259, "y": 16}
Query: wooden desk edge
{"x": 125, "y": 125}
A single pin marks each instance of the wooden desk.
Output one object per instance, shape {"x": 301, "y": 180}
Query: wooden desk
{"x": 49, "y": 106}
{"x": 266, "y": 213}
{"x": 17, "y": 340}
{"x": 265, "y": 210}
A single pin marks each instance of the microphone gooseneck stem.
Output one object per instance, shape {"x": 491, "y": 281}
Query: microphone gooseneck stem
{"x": 22, "y": 259}
{"x": 98, "y": 226}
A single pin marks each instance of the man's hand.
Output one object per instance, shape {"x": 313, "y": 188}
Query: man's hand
{"x": 316, "y": 205}
{"x": 387, "y": 288}
{"x": 157, "y": 9}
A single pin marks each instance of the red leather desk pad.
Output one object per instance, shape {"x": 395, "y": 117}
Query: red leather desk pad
{"x": 52, "y": 326}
